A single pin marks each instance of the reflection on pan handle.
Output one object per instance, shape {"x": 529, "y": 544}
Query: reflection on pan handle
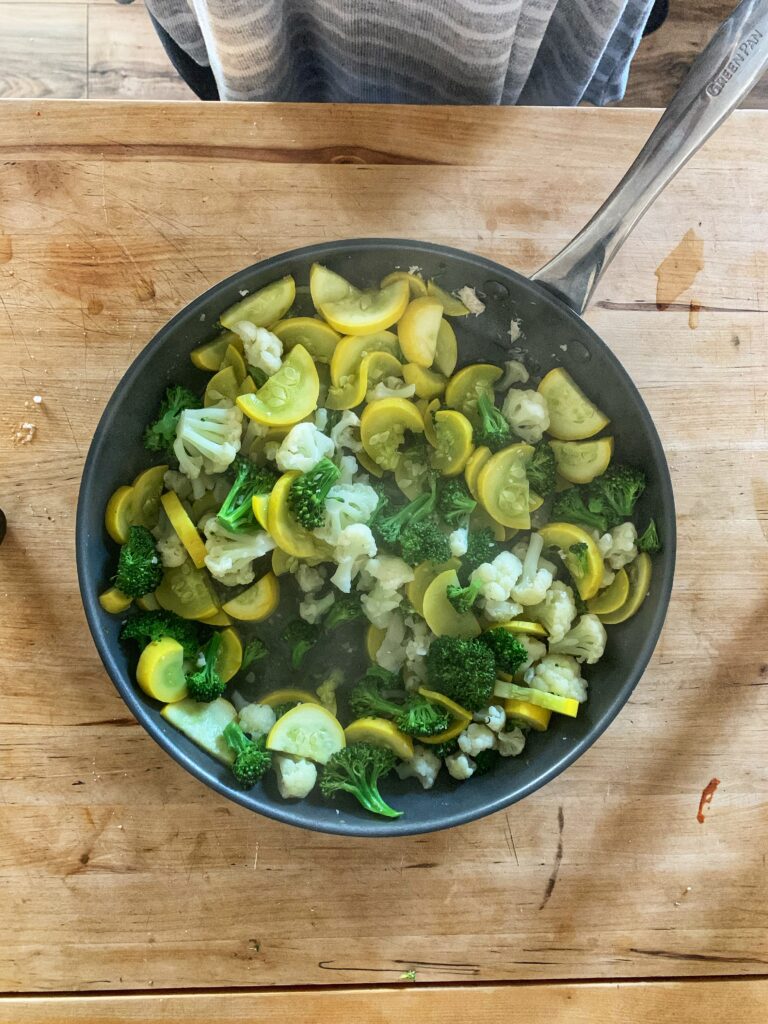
{"x": 719, "y": 79}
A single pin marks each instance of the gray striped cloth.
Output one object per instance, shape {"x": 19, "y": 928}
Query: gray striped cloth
{"x": 557, "y": 52}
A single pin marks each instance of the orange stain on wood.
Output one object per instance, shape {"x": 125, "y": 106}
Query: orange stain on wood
{"x": 678, "y": 270}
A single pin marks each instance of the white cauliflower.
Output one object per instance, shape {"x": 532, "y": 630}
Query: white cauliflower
{"x": 313, "y": 608}
{"x": 619, "y": 547}
{"x": 346, "y": 433}
{"x": 494, "y": 717}
{"x": 252, "y": 438}
{"x": 263, "y": 349}
{"x": 514, "y": 373}
{"x": 496, "y": 581}
{"x": 346, "y": 504}
{"x": 459, "y": 541}
{"x": 168, "y": 543}
{"x": 534, "y": 583}
{"x": 354, "y": 545}
{"x": 511, "y": 743}
{"x": 418, "y": 641}
{"x": 320, "y": 419}
{"x": 460, "y": 766}
{"x": 348, "y": 470}
{"x": 469, "y": 297}
{"x": 585, "y": 641}
{"x": 559, "y": 674}
{"x": 389, "y": 574}
{"x": 424, "y": 766}
{"x": 326, "y": 691}
{"x": 181, "y": 485}
{"x": 391, "y": 653}
{"x": 257, "y": 719}
{"x": 556, "y": 612}
{"x": 229, "y": 556}
{"x": 207, "y": 440}
{"x": 527, "y": 414}
{"x": 309, "y": 578}
{"x": 390, "y": 387}
{"x": 302, "y": 448}
{"x": 271, "y": 448}
{"x": 535, "y": 648}
{"x": 476, "y": 738}
{"x": 295, "y": 779}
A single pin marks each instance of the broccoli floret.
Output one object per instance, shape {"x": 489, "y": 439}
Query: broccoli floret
{"x": 493, "y": 432}
{"x": 300, "y": 636}
{"x": 581, "y": 557}
{"x": 454, "y": 502}
{"x": 254, "y": 650}
{"x": 649, "y": 541}
{"x": 420, "y": 717}
{"x": 388, "y": 521}
{"x": 540, "y": 469}
{"x": 236, "y": 512}
{"x": 446, "y": 748}
{"x": 356, "y": 769}
{"x": 283, "y": 709}
{"x": 144, "y": 627}
{"x": 485, "y": 761}
{"x": 346, "y": 608}
{"x": 463, "y": 598}
{"x": 508, "y": 652}
{"x": 160, "y": 435}
{"x": 463, "y": 670}
{"x": 306, "y": 498}
{"x": 416, "y": 716}
{"x": 615, "y": 493}
{"x": 252, "y": 759}
{"x": 206, "y": 684}
{"x": 481, "y": 547}
{"x": 423, "y": 541}
{"x": 572, "y": 506}
{"x": 139, "y": 569}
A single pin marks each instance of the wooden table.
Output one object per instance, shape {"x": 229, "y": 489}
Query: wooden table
{"x": 120, "y": 873}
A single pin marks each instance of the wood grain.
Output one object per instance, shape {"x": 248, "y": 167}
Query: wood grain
{"x": 661, "y": 1003}
{"x": 43, "y": 50}
{"x": 117, "y": 870}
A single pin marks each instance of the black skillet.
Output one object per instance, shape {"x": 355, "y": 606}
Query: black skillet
{"x": 548, "y": 308}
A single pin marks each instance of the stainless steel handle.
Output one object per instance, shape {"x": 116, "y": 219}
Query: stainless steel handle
{"x": 720, "y": 77}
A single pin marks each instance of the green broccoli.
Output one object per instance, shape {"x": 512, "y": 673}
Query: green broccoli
{"x": 259, "y": 376}
{"x": 422, "y": 540}
{"x": 206, "y": 684}
{"x": 540, "y": 469}
{"x": 254, "y": 650}
{"x": 493, "y": 432}
{"x": 462, "y": 669}
{"x": 306, "y": 498}
{"x": 160, "y": 435}
{"x": 454, "y": 502}
{"x": 236, "y": 512}
{"x": 421, "y": 717}
{"x": 481, "y": 548}
{"x": 649, "y": 541}
{"x": 144, "y": 627}
{"x": 581, "y": 557}
{"x": 446, "y": 748}
{"x": 572, "y": 506}
{"x": 416, "y": 716}
{"x": 388, "y": 521}
{"x": 283, "y": 709}
{"x": 139, "y": 569}
{"x": 300, "y": 636}
{"x": 485, "y": 761}
{"x": 615, "y": 493}
{"x": 463, "y": 598}
{"x": 508, "y": 652}
{"x": 346, "y": 608}
{"x": 356, "y": 769}
{"x": 252, "y": 759}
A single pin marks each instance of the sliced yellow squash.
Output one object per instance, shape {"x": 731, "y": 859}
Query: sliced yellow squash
{"x": 288, "y": 396}
{"x": 256, "y": 603}
{"x": 551, "y": 701}
{"x": 428, "y": 384}
{"x": 248, "y": 387}
{"x": 307, "y": 731}
{"x": 288, "y": 695}
{"x": 572, "y": 416}
{"x": 219, "y": 619}
{"x": 317, "y": 337}
{"x": 210, "y": 355}
{"x": 282, "y": 562}
{"x": 147, "y": 488}
{"x": 525, "y": 714}
{"x": 115, "y": 601}
{"x": 350, "y": 352}
{"x": 465, "y": 387}
{"x": 327, "y": 286}
{"x": 204, "y": 724}
{"x": 415, "y": 282}
{"x": 234, "y": 357}
{"x": 418, "y": 329}
{"x": 374, "y": 638}
{"x": 579, "y": 462}
{"x": 118, "y": 515}
{"x": 185, "y": 529}
{"x": 475, "y": 463}
{"x": 451, "y": 305}
{"x": 423, "y": 575}
{"x": 260, "y": 506}
{"x": 381, "y": 733}
{"x": 440, "y": 615}
{"x": 367, "y": 312}
{"x": 453, "y": 433}
{"x": 160, "y": 671}
{"x": 230, "y": 656}
{"x": 369, "y": 465}
{"x": 264, "y": 307}
{"x": 503, "y": 486}
{"x": 222, "y": 387}
{"x": 521, "y": 626}
{"x": 289, "y": 535}
{"x": 147, "y": 603}
{"x": 461, "y": 717}
{"x": 612, "y": 597}
{"x": 639, "y": 573}
{"x": 187, "y": 591}
{"x": 382, "y": 429}
{"x": 585, "y": 565}
{"x": 447, "y": 350}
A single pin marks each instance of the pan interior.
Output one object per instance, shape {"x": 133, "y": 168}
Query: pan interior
{"x": 550, "y": 335}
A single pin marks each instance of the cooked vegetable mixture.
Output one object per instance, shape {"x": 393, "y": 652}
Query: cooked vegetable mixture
{"x": 465, "y": 534}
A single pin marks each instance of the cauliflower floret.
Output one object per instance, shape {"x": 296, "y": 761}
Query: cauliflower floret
{"x": 514, "y": 373}
{"x": 295, "y": 779}
{"x": 607, "y": 578}
{"x": 535, "y": 648}
{"x": 556, "y": 612}
{"x": 354, "y": 545}
{"x": 252, "y": 438}
{"x": 477, "y": 738}
{"x": 534, "y": 583}
{"x": 346, "y": 433}
{"x": 175, "y": 481}
{"x": 527, "y": 414}
{"x": 424, "y": 766}
{"x": 229, "y": 556}
{"x": 321, "y": 419}
{"x": 497, "y": 580}
{"x": 302, "y": 448}
{"x": 619, "y": 547}
{"x": 313, "y": 608}
{"x": 348, "y": 470}
{"x": 390, "y": 387}
{"x": 257, "y": 719}
{"x": 389, "y": 573}
{"x": 511, "y": 743}
{"x": 460, "y": 766}
{"x": 346, "y": 504}
{"x": 559, "y": 674}
{"x": 413, "y": 471}
{"x": 326, "y": 691}
{"x": 418, "y": 641}
{"x": 271, "y": 448}
{"x": 263, "y": 349}
{"x": 459, "y": 540}
{"x": 207, "y": 440}
{"x": 494, "y": 717}
{"x": 391, "y": 652}
{"x": 585, "y": 641}
{"x": 168, "y": 543}
{"x": 309, "y": 578}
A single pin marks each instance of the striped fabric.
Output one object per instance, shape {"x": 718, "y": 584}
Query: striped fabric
{"x": 556, "y": 52}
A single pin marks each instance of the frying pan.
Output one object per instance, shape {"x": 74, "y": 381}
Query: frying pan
{"x": 548, "y": 307}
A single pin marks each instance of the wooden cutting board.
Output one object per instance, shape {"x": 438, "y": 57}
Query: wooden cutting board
{"x": 119, "y": 871}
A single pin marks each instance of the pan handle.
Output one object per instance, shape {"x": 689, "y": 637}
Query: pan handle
{"x": 720, "y": 77}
